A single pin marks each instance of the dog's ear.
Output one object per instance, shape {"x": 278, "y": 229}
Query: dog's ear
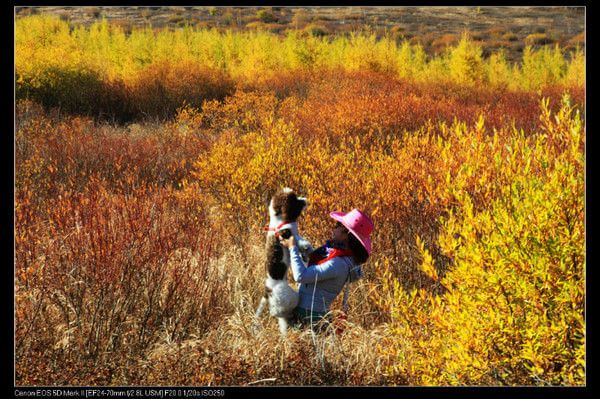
{"x": 278, "y": 202}
{"x": 301, "y": 201}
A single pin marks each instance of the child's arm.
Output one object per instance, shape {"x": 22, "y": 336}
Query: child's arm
{"x": 303, "y": 274}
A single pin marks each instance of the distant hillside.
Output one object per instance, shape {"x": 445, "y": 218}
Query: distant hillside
{"x": 511, "y": 28}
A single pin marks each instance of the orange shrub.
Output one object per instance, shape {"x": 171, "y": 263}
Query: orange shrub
{"x": 101, "y": 276}
{"x": 370, "y": 105}
{"x": 60, "y": 154}
{"x": 163, "y": 87}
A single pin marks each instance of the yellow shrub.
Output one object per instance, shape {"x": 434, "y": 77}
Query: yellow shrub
{"x": 512, "y": 312}
{"x": 465, "y": 63}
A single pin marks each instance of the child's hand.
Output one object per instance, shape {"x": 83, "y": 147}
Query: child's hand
{"x": 288, "y": 243}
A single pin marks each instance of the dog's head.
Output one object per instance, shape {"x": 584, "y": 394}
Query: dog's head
{"x": 286, "y": 206}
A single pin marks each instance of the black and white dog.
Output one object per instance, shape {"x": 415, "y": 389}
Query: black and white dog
{"x": 284, "y": 210}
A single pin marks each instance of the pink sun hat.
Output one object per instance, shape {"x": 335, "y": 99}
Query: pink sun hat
{"x": 358, "y": 223}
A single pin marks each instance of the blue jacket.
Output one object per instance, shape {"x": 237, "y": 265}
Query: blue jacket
{"x": 319, "y": 284}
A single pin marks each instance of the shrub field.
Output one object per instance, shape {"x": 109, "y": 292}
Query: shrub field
{"x": 144, "y": 162}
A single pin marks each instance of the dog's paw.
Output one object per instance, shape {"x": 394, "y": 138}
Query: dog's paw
{"x": 305, "y": 249}
{"x": 304, "y": 244}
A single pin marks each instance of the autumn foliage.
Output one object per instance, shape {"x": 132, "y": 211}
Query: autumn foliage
{"x": 138, "y": 246}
